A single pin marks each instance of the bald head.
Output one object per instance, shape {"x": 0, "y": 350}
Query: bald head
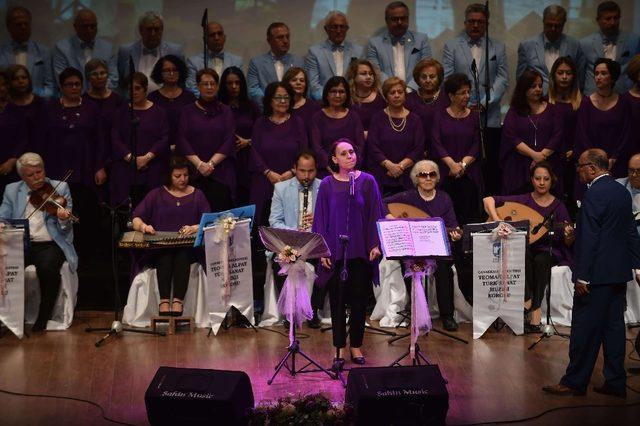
{"x": 86, "y": 25}
{"x": 591, "y": 164}
{"x": 215, "y": 37}
{"x": 634, "y": 171}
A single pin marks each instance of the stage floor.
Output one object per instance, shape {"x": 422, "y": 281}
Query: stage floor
{"x": 491, "y": 379}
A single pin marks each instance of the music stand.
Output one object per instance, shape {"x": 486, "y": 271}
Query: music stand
{"x": 309, "y": 245}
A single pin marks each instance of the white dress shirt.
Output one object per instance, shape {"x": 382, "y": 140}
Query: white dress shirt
{"x": 398, "y": 61}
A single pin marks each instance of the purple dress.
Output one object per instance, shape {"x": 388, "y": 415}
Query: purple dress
{"x": 326, "y": 130}
{"x": 173, "y": 107}
{"x": 108, "y": 108}
{"x": 166, "y": 212}
{"x": 441, "y": 205}
{"x": 34, "y": 115}
{"x": 568, "y": 120}
{"x": 74, "y": 141}
{"x": 153, "y": 136}
{"x": 244, "y": 118}
{"x": 13, "y": 142}
{"x": 538, "y": 131}
{"x": 273, "y": 147}
{"x": 306, "y": 112}
{"x": 634, "y": 135}
{"x": 427, "y": 113}
{"x": 457, "y": 138}
{"x": 561, "y": 252}
{"x": 367, "y": 110}
{"x": 330, "y": 220}
{"x": 205, "y": 133}
{"x": 385, "y": 143}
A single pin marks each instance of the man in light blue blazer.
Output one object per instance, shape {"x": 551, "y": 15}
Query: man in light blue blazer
{"x": 286, "y": 213}
{"x": 271, "y": 66}
{"x": 397, "y": 51}
{"x": 24, "y": 51}
{"x": 541, "y": 51}
{"x": 610, "y": 43}
{"x": 146, "y": 51}
{"x": 331, "y": 57}
{"x": 217, "y": 58}
{"x": 75, "y": 51}
{"x": 51, "y": 235}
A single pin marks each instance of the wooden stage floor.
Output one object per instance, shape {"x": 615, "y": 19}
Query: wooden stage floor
{"x": 491, "y": 379}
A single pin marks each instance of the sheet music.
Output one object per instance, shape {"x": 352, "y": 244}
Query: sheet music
{"x": 413, "y": 237}
{"x": 395, "y": 238}
{"x": 428, "y": 238}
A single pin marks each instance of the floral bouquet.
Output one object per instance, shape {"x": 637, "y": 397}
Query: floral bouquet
{"x": 313, "y": 409}
{"x": 288, "y": 255}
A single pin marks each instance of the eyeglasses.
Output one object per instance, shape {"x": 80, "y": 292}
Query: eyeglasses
{"x": 430, "y": 175}
{"x": 634, "y": 172}
{"x": 578, "y": 165}
{"x": 170, "y": 71}
{"x": 98, "y": 74}
{"x": 475, "y": 21}
{"x": 337, "y": 92}
{"x": 337, "y": 27}
{"x": 70, "y": 85}
{"x": 398, "y": 19}
{"x": 281, "y": 98}
{"x": 208, "y": 84}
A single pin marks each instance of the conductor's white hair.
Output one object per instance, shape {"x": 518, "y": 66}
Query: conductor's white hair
{"x": 332, "y": 15}
{"x": 28, "y": 159}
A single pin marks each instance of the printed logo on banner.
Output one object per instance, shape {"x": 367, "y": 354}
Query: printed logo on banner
{"x": 497, "y": 246}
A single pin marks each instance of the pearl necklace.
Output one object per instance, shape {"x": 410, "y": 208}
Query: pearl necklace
{"x": 279, "y": 121}
{"x": 396, "y": 127}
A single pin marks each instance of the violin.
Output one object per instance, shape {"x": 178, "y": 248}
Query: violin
{"x": 48, "y": 200}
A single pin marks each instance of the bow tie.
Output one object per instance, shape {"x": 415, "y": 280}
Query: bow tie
{"x": 153, "y": 52}
{"x": 20, "y": 47}
{"x": 87, "y": 45}
{"x": 549, "y": 45}
{"x": 219, "y": 55}
{"x": 476, "y": 43}
{"x": 606, "y": 41}
{"x": 337, "y": 47}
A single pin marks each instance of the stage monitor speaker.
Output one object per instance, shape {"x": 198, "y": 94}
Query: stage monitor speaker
{"x": 398, "y": 395}
{"x": 190, "y": 396}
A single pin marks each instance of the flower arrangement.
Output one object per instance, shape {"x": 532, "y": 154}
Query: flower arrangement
{"x": 288, "y": 255}
{"x": 312, "y": 410}
{"x": 228, "y": 223}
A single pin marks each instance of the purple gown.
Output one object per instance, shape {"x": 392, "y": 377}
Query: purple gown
{"x": 153, "y": 136}
{"x": 244, "y": 118}
{"x": 385, "y": 143}
{"x": 306, "y": 112}
{"x": 204, "y": 134}
{"x": 568, "y": 120}
{"x": 329, "y": 218}
{"x": 326, "y": 130}
{"x": 441, "y": 205}
{"x": 519, "y": 128}
{"x": 457, "y": 138}
{"x": 561, "y": 252}
{"x": 74, "y": 141}
{"x": 273, "y": 147}
{"x": 13, "y": 142}
{"x": 108, "y": 108}
{"x": 34, "y": 115}
{"x": 367, "y": 110}
{"x": 634, "y": 135}
{"x": 173, "y": 107}
{"x": 427, "y": 113}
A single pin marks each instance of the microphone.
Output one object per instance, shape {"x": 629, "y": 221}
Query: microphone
{"x": 205, "y": 19}
{"x": 474, "y": 67}
{"x": 536, "y": 228}
{"x": 352, "y": 183}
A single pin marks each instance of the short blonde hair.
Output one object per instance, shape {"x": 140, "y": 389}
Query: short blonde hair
{"x": 390, "y": 82}
{"x": 28, "y": 159}
{"x": 420, "y": 166}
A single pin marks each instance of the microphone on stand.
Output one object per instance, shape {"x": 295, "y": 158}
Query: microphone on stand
{"x": 352, "y": 183}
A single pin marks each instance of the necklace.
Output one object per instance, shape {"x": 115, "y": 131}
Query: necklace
{"x": 359, "y": 96}
{"x": 429, "y": 101}
{"x": 458, "y": 115}
{"x": 279, "y": 121}
{"x": 396, "y": 127}
{"x": 535, "y": 129}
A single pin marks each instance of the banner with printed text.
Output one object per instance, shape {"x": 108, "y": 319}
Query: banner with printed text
{"x": 12, "y": 280}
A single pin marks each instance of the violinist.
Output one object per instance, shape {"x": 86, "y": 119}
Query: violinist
{"x": 538, "y": 261}
{"x": 50, "y": 227}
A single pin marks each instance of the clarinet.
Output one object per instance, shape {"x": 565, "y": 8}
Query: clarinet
{"x": 305, "y": 206}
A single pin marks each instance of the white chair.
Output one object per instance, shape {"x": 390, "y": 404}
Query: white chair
{"x": 144, "y": 297}
{"x": 62, "y": 315}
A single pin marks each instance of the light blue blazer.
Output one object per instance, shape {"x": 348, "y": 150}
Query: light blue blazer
{"x": 456, "y": 58}
{"x": 196, "y": 63}
{"x": 135, "y": 51}
{"x": 68, "y": 53}
{"x": 627, "y": 46}
{"x": 38, "y": 64}
{"x": 262, "y": 71}
{"x": 380, "y": 53}
{"x": 320, "y": 65}
{"x": 531, "y": 55}
{"x": 14, "y": 204}
{"x": 285, "y": 205}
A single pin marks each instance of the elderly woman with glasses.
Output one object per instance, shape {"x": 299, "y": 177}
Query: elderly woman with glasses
{"x": 425, "y": 176}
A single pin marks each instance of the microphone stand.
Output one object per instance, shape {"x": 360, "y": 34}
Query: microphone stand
{"x": 487, "y": 79}
{"x": 481, "y": 120}
{"x": 205, "y": 24}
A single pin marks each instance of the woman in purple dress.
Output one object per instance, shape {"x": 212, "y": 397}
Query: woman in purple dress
{"x": 364, "y": 87}
{"x": 170, "y": 73}
{"x": 14, "y": 137}
{"x": 151, "y": 150}
{"x": 532, "y": 132}
{"x": 538, "y": 260}
{"x": 234, "y": 94}
{"x": 604, "y": 121}
{"x": 338, "y": 213}
{"x": 99, "y": 93}
{"x": 425, "y": 175}
{"x": 206, "y": 138}
{"x": 565, "y": 95}
{"x": 455, "y": 135}
{"x": 174, "y": 207}
{"x": 303, "y": 107}
{"x": 29, "y": 106}
{"x": 633, "y": 99}
{"x": 335, "y": 121}
{"x": 429, "y": 98}
{"x": 395, "y": 141}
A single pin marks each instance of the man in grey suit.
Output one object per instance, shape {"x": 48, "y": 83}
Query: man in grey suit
{"x": 217, "y": 58}
{"x": 271, "y": 66}
{"x": 541, "y": 51}
{"x": 331, "y": 57}
{"x": 397, "y": 51}
{"x": 24, "y": 51}
{"x": 75, "y": 51}
{"x": 459, "y": 56}
{"x": 611, "y": 43}
{"x": 146, "y": 51}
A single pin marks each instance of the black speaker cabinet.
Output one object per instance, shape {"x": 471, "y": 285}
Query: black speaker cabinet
{"x": 190, "y": 396}
{"x": 398, "y": 395}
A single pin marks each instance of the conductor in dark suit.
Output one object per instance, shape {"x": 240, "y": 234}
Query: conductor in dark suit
{"x": 607, "y": 250}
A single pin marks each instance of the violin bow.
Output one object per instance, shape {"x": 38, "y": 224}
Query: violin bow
{"x": 46, "y": 200}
